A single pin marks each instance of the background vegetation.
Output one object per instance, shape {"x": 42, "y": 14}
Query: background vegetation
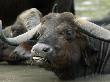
{"x": 92, "y": 9}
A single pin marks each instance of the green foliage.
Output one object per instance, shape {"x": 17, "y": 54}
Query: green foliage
{"x": 95, "y": 9}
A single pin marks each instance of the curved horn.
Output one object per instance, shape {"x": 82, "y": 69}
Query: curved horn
{"x": 30, "y": 18}
{"x": 92, "y": 29}
{"x": 21, "y": 38}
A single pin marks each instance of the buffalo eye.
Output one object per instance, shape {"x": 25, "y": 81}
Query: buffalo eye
{"x": 69, "y": 35}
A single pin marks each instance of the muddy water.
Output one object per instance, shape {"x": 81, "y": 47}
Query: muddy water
{"x": 9, "y": 73}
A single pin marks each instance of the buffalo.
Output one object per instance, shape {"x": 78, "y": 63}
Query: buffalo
{"x": 24, "y": 22}
{"x": 9, "y": 10}
{"x": 69, "y": 46}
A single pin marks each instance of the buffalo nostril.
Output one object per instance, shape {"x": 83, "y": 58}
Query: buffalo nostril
{"x": 34, "y": 50}
{"x": 46, "y": 50}
{"x": 40, "y": 47}
{"x": 15, "y": 52}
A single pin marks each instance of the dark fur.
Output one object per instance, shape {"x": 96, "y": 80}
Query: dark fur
{"x": 68, "y": 43}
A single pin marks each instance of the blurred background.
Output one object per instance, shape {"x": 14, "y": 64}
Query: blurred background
{"x": 93, "y": 9}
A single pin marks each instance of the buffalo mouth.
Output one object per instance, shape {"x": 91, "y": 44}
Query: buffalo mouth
{"x": 43, "y": 61}
{"x": 40, "y": 59}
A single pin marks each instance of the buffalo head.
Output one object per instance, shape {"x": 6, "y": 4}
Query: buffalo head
{"x": 60, "y": 43}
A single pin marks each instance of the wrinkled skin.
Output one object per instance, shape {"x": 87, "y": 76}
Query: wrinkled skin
{"x": 60, "y": 46}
